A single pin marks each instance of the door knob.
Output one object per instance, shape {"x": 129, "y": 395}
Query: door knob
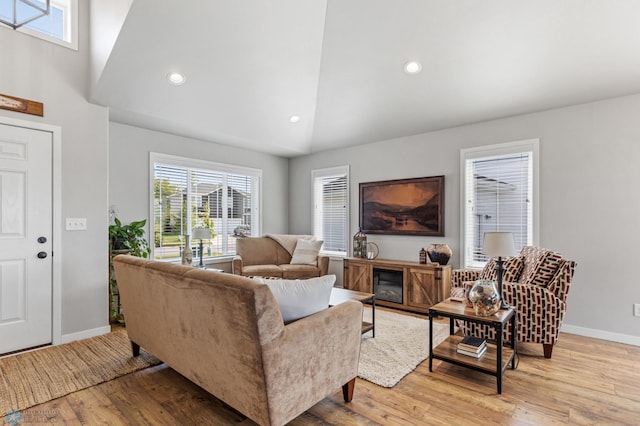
{"x": 42, "y": 240}
{"x": 42, "y": 255}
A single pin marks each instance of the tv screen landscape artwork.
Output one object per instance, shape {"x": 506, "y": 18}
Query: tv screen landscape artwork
{"x": 403, "y": 207}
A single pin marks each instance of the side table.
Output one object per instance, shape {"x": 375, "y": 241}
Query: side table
{"x": 341, "y": 295}
{"x": 496, "y": 358}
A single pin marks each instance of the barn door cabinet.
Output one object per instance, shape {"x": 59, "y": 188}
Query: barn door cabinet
{"x": 399, "y": 284}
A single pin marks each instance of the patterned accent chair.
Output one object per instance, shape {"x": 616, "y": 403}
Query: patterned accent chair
{"x": 537, "y": 283}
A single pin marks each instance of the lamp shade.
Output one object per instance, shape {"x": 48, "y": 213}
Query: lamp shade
{"x": 201, "y": 233}
{"x": 498, "y": 244}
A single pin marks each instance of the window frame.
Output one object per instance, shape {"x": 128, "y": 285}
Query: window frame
{"x": 186, "y": 162}
{"x": 487, "y": 151}
{"x": 327, "y": 172}
{"x": 70, "y": 25}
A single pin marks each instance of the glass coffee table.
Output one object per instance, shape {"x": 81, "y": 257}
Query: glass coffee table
{"x": 341, "y": 295}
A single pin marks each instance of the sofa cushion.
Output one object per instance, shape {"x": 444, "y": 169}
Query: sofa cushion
{"x": 262, "y": 271}
{"x": 544, "y": 268}
{"x": 300, "y": 298}
{"x": 306, "y": 252}
{"x": 512, "y": 269}
{"x": 296, "y": 272}
{"x": 530, "y": 256}
{"x": 261, "y": 251}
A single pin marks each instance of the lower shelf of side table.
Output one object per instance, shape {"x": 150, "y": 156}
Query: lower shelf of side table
{"x": 447, "y": 351}
{"x": 366, "y": 326}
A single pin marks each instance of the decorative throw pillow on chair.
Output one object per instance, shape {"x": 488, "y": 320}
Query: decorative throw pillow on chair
{"x": 512, "y": 269}
{"x": 300, "y": 298}
{"x": 306, "y": 252}
{"x": 544, "y": 268}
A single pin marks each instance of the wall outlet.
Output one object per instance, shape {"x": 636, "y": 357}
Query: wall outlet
{"x": 636, "y": 309}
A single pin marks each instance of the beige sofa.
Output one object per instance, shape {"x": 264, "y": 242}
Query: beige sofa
{"x": 270, "y": 256}
{"x": 226, "y": 334}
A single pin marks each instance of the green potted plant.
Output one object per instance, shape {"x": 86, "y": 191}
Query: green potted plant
{"x": 124, "y": 239}
{"x": 129, "y": 238}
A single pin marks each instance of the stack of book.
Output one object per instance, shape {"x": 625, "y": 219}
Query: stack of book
{"x": 472, "y": 346}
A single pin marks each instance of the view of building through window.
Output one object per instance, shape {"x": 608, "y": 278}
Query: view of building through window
{"x": 188, "y": 197}
{"x": 498, "y": 196}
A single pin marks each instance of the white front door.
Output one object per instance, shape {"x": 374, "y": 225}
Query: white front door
{"x": 25, "y": 237}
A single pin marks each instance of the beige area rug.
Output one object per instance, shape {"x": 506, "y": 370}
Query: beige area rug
{"x": 36, "y": 377}
{"x": 401, "y": 343}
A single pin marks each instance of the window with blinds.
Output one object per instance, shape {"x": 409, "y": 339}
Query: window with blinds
{"x": 331, "y": 209}
{"x": 192, "y": 193}
{"x": 498, "y": 195}
{"x": 59, "y": 26}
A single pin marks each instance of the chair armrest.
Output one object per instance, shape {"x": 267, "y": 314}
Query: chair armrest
{"x": 540, "y": 314}
{"x": 323, "y": 265}
{"x": 459, "y": 276}
{"x": 537, "y": 307}
{"x": 236, "y": 265}
{"x": 560, "y": 283}
{"x": 313, "y": 357}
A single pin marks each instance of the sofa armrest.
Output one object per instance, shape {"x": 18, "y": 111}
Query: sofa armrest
{"x": 311, "y": 359}
{"x": 459, "y": 276}
{"x": 236, "y": 265}
{"x": 323, "y": 265}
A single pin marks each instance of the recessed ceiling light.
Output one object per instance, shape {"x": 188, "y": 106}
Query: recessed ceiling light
{"x": 294, "y": 119}
{"x": 412, "y": 67}
{"x": 176, "y": 78}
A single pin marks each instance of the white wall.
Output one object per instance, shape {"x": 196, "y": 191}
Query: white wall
{"x": 35, "y": 69}
{"x": 588, "y": 198}
{"x": 589, "y": 174}
{"x": 129, "y": 149}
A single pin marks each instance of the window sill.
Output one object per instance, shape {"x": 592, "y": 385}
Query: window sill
{"x": 334, "y": 256}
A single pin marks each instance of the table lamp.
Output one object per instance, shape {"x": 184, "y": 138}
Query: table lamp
{"x": 201, "y": 234}
{"x": 499, "y": 244}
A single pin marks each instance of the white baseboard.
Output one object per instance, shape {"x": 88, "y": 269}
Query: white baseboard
{"x": 600, "y": 334}
{"x": 85, "y": 334}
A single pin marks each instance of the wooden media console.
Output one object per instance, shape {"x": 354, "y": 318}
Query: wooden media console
{"x": 399, "y": 284}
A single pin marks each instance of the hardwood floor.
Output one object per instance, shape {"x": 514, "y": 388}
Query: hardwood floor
{"x": 587, "y": 382}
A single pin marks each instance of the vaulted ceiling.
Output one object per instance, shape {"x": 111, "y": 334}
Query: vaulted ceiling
{"x": 338, "y": 64}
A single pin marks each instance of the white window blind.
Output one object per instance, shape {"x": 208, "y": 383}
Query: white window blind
{"x": 192, "y": 193}
{"x": 498, "y": 195}
{"x": 331, "y": 209}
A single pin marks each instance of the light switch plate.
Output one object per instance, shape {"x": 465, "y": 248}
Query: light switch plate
{"x": 76, "y": 224}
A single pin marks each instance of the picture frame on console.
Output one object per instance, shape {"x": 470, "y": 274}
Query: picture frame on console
{"x": 403, "y": 207}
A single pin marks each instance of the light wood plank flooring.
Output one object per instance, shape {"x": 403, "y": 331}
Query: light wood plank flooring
{"x": 587, "y": 382}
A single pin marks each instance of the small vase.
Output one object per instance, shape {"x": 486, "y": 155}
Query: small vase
{"x": 423, "y": 256}
{"x": 439, "y": 253}
{"x": 485, "y": 298}
{"x": 187, "y": 254}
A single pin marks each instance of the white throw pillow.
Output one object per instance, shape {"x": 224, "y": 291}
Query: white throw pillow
{"x": 306, "y": 252}
{"x": 300, "y": 298}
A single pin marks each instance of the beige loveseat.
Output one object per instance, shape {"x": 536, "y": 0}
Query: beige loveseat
{"x": 226, "y": 334}
{"x": 271, "y": 255}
